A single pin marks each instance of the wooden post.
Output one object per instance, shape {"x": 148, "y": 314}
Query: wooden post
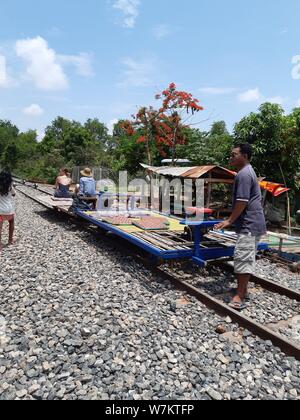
{"x": 209, "y": 191}
{"x": 289, "y": 214}
{"x": 264, "y": 197}
{"x": 280, "y": 246}
{"x": 289, "y": 230}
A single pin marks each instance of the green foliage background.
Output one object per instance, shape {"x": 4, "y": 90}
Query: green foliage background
{"x": 274, "y": 135}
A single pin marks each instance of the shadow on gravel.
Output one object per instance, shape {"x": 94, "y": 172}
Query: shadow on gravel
{"x": 123, "y": 251}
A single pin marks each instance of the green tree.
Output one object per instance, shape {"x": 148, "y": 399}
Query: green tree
{"x": 264, "y": 130}
{"x": 98, "y": 131}
{"x": 8, "y": 135}
{"x": 276, "y": 141}
{"x": 125, "y": 151}
{"x": 27, "y": 144}
{"x": 10, "y": 156}
{"x": 54, "y": 134}
{"x": 209, "y": 148}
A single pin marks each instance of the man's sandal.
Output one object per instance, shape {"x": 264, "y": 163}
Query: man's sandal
{"x": 238, "y": 306}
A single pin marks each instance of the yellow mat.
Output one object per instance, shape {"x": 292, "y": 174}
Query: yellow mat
{"x": 174, "y": 224}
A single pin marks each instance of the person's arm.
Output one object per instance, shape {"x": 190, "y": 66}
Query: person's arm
{"x": 56, "y": 184}
{"x": 243, "y": 195}
{"x": 239, "y": 208}
{"x": 13, "y": 192}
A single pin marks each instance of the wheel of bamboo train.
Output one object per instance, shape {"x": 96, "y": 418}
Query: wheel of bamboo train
{"x": 188, "y": 232}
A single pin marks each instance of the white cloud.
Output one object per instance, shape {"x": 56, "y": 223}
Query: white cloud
{"x": 276, "y": 100}
{"x": 296, "y": 68}
{"x": 216, "y": 90}
{"x": 161, "y": 31}
{"x": 251, "y": 95}
{"x": 82, "y": 62}
{"x": 33, "y": 110}
{"x": 5, "y": 80}
{"x": 298, "y": 103}
{"x": 284, "y": 31}
{"x": 40, "y": 135}
{"x": 43, "y": 67}
{"x": 111, "y": 125}
{"x": 130, "y": 10}
{"x": 3, "y": 75}
{"x": 139, "y": 73}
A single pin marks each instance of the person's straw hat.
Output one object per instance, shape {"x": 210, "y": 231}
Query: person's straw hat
{"x": 87, "y": 172}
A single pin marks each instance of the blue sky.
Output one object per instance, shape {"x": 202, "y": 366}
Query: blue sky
{"x": 104, "y": 58}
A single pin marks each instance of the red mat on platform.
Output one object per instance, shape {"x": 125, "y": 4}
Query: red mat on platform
{"x": 118, "y": 221}
{"x": 152, "y": 223}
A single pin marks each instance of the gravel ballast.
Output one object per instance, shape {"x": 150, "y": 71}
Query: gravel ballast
{"x": 81, "y": 320}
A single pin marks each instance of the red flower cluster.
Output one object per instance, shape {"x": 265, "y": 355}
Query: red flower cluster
{"x": 174, "y": 99}
{"x": 127, "y": 127}
{"x": 164, "y": 127}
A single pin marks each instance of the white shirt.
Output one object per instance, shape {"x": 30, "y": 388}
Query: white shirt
{"x": 6, "y": 203}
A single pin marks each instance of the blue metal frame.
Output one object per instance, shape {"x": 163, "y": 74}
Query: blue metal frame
{"x": 198, "y": 255}
{"x": 167, "y": 255}
{"x": 202, "y": 255}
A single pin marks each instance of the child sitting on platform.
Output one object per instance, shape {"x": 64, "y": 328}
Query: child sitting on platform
{"x": 7, "y": 212}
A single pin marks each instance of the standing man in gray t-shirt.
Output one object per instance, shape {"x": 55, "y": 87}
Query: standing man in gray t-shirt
{"x": 248, "y": 218}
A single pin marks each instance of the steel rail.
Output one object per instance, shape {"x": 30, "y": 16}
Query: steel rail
{"x": 283, "y": 262}
{"x": 20, "y": 181}
{"x": 33, "y": 198}
{"x": 269, "y": 285}
{"x": 288, "y": 347}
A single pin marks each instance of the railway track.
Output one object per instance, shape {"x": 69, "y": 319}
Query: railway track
{"x": 286, "y": 345}
{"x": 46, "y": 190}
{"x": 282, "y": 262}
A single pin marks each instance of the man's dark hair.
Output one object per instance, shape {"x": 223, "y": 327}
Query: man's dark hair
{"x": 246, "y": 149}
{"x": 5, "y": 182}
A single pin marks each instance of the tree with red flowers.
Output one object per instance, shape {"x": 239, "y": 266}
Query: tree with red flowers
{"x": 164, "y": 129}
{"x": 175, "y": 104}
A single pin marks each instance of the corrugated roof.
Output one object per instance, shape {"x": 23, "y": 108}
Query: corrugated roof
{"x": 199, "y": 171}
{"x": 175, "y": 171}
{"x": 193, "y": 172}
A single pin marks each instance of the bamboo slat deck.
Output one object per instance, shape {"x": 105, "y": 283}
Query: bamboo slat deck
{"x": 63, "y": 205}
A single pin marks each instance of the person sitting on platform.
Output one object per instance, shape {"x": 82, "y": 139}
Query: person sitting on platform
{"x": 62, "y": 184}
{"x": 86, "y": 194}
{"x": 87, "y": 187}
